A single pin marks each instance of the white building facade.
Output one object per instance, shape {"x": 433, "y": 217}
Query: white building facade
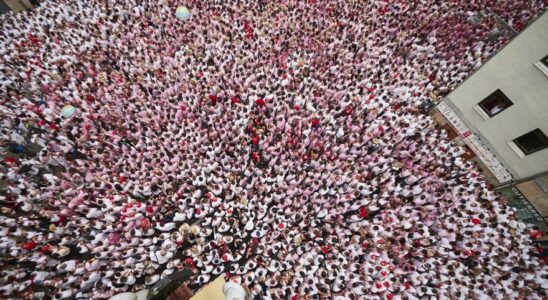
{"x": 501, "y": 111}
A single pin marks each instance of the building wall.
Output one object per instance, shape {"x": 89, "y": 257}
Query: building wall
{"x": 17, "y": 5}
{"x": 3, "y": 7}
{"x": 512, "y": 71}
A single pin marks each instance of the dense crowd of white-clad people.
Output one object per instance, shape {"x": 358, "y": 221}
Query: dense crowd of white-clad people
{"x": 285, "y": 145}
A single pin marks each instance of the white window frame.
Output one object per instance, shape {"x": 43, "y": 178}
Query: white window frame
{"x": 514, "y": 146}
{"x": 516, "y": 149}
{"x": 481, "y": 112}
{"x": 541, "y": 66}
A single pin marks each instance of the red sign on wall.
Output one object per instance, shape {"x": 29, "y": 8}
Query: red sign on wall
{"x": 466, "y": 134}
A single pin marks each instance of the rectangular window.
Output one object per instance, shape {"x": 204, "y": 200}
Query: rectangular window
{"x": 542, "y": 64}
{"x": 532, "y": 141}
{"x": 495, "y": 103}
{"x": 544, "y": 61}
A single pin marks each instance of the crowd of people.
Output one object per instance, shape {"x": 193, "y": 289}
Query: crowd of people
{"x": 281, "y": 144}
